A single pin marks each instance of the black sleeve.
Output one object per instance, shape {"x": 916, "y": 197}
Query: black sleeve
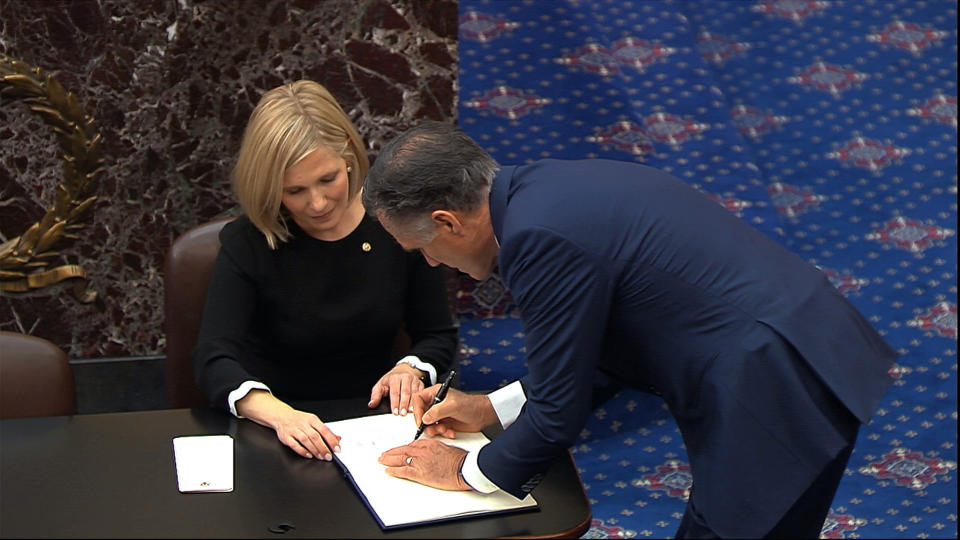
{"x": 227, "y": 315}
{"x": 428, "y": 316}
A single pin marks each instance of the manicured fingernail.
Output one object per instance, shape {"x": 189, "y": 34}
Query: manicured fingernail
{"x": 403, "y": 412}
{"x": 395, "y": 411}
{"x": 309, "y": 456}
{"x": 336, "y": 448}
{"x": 328, "y": 457}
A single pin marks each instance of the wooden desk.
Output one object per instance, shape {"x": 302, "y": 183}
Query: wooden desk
{"x": 113, "y": 475}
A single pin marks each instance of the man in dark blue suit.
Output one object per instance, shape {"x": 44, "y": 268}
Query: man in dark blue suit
{"x": 625, "y": 270}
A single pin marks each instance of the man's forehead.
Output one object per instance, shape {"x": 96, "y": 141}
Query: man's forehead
{"x": 382, "y": 218}
{"x": 405, "y": 245}
{"x": 397, "y": 233}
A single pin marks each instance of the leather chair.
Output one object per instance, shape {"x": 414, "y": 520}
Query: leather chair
{"x": 186, "y": 275}
{"x": 35, "y": 378}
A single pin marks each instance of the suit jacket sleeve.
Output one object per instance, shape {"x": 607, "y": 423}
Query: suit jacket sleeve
{"x": 565, "y": 299}
{"x": 227, "y": 315}
{"x": 428, "y": 316}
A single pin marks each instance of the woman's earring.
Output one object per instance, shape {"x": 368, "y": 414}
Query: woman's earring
{"x": 349, "y": 168}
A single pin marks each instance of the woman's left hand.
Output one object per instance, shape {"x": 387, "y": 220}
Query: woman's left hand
{"x": 400, "y": 383}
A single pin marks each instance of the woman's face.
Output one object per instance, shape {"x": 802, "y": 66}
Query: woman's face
{"x": 316, "y": 193}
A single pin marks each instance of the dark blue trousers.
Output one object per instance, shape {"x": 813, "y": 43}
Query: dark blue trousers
{"x": 804, "y": 519}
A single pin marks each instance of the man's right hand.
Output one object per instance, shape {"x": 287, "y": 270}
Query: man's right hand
{"x": 459, "y": 411}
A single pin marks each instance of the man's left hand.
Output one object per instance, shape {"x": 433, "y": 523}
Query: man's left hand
{"x": 429, "y": 462}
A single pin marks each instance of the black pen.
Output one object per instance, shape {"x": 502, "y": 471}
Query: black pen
{"x": 442, "y": 393}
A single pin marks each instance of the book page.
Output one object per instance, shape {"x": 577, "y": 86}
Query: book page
{"x": 396, "y": 501}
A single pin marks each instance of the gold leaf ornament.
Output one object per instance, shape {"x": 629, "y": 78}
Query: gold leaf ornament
{"x": 25, "y": 259}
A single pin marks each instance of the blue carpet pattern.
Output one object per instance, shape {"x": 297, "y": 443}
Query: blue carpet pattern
{"x": 831, "y": 125}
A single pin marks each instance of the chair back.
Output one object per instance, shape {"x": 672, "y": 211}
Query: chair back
{"x": 186, "y": 275}
{"x": 35, "y": 378}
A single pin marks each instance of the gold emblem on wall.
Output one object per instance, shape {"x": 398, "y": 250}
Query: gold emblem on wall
{"x": 25, "y": 260}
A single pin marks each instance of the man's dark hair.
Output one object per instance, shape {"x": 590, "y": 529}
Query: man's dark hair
{"x": 429, "y": 167}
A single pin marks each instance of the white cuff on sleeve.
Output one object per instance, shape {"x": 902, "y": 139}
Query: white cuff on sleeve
{"x": 473, "y": 476}
{"x": 241, "y": 392}
{"x": 421, "y": 365}
{"x": 507, "y": 402}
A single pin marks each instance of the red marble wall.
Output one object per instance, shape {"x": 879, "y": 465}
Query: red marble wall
{"x": 169, "y": 86}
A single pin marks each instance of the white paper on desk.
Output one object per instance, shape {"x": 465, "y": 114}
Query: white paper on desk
{"x": 204, "y": 463}
{"x": 397, "y": 502}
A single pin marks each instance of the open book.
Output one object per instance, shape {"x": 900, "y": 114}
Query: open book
{"x": 396, "y": 502}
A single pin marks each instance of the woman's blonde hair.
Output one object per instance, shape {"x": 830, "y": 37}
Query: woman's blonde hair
{"x": 288, "y": 123}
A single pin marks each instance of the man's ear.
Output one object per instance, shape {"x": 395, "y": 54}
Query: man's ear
{"x": 447, "y": 221}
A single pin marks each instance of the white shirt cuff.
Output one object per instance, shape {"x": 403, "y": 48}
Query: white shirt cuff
{"x": 507, "y": 403}
{"x": 241, "y": 392}
{"x": 421, "y": 365}
{"x": 472, "y": 475}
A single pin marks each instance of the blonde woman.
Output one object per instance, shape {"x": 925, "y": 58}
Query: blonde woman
{"x": 308, "y": 291}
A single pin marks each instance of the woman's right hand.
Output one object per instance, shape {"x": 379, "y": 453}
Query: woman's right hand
{"x": 307, "y": 435}
{"x": 301, "y": 431}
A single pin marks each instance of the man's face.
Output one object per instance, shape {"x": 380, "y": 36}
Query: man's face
{"x": 462, "y": 245}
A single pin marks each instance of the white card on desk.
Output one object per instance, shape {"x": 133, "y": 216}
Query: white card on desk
{"x": 204, "y": 463}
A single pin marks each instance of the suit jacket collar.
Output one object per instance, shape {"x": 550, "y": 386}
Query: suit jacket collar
{"x": 499, "y": 191}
